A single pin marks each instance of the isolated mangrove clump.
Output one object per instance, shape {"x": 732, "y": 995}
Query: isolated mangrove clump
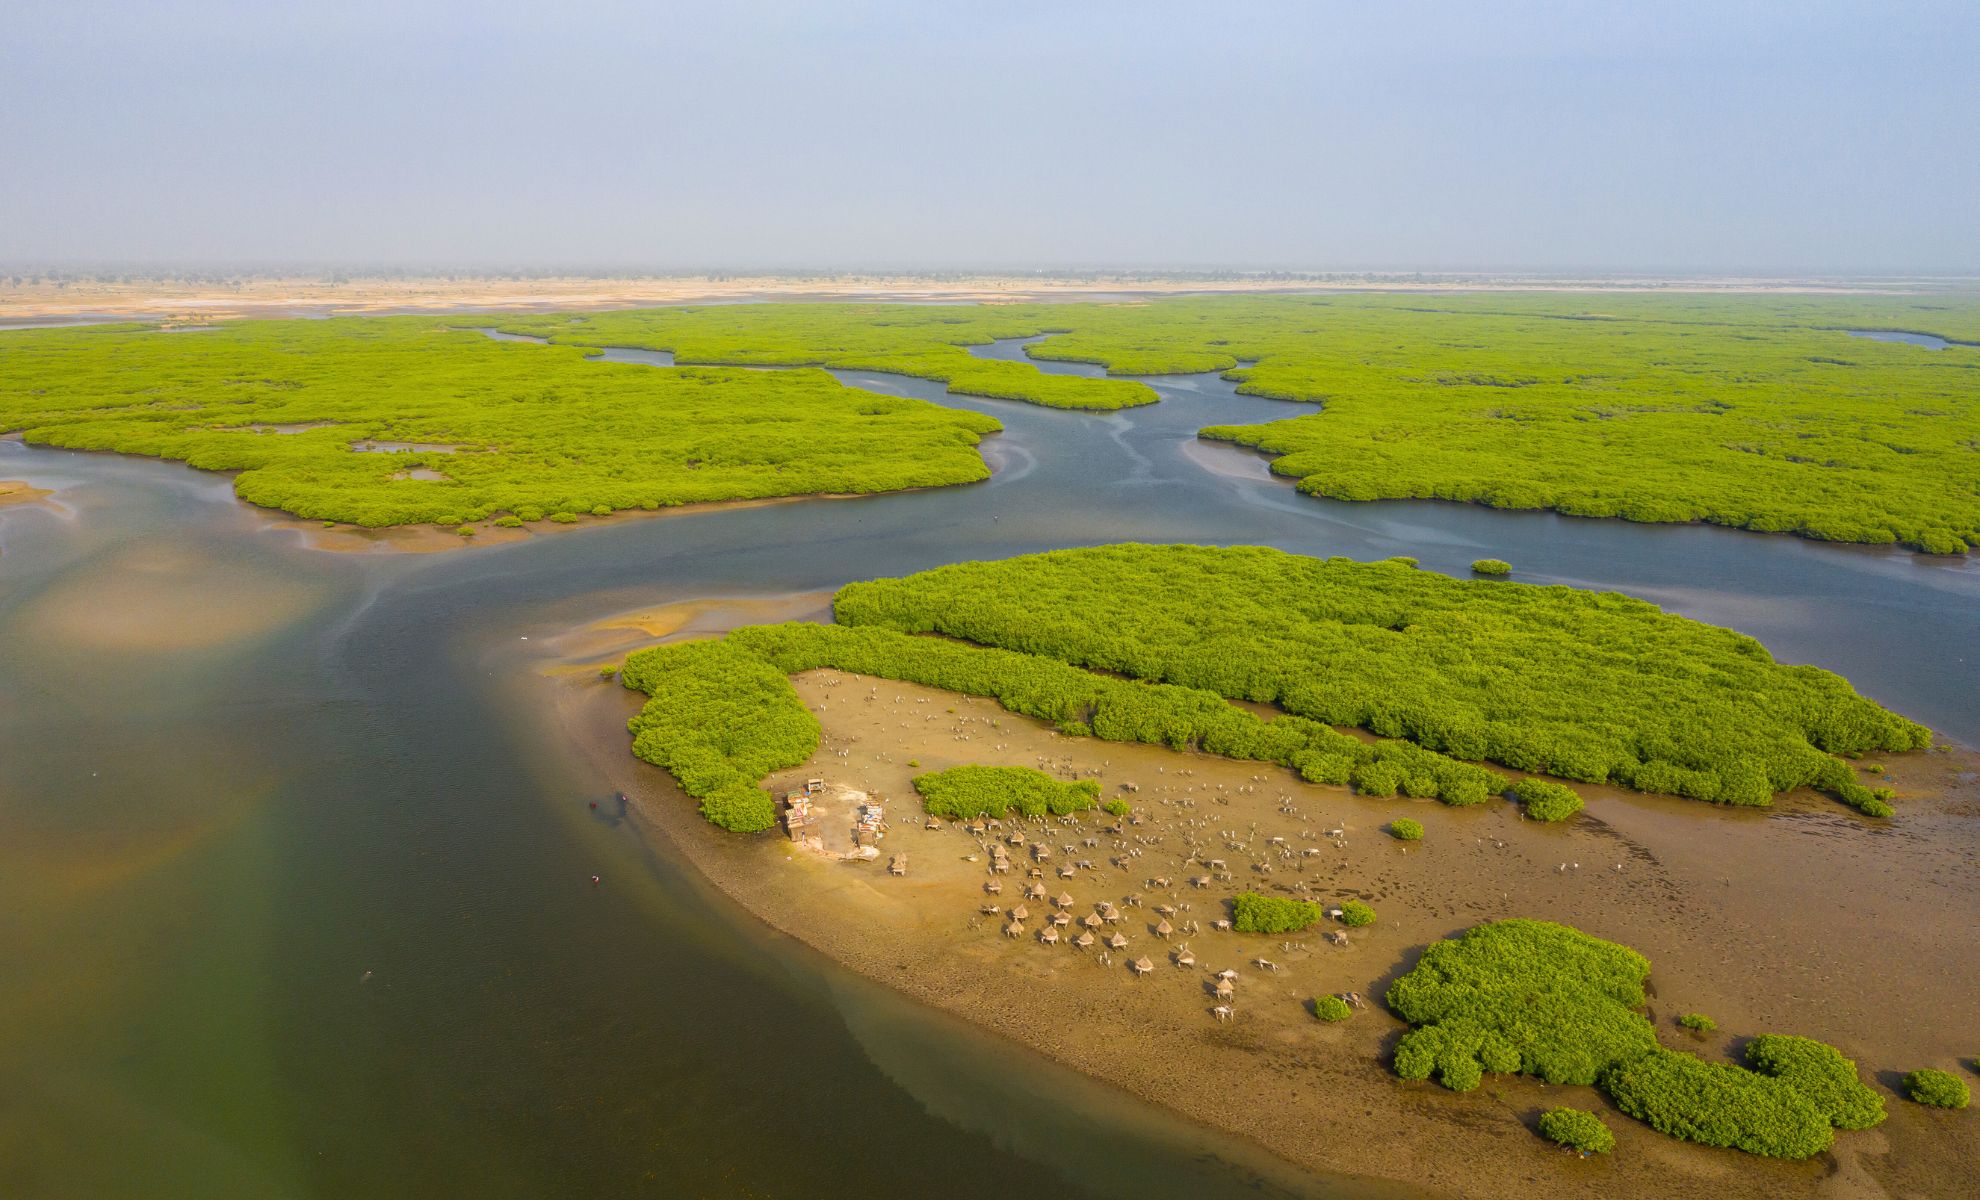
{"x": 1940, "y": 1089}
{"x": 1577, "y": 1130}
{"x": 1542, "y": 999}
{"x": 973, "y": 791}
{"x": 1253, "y": 913}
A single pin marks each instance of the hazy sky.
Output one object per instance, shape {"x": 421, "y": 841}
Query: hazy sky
{"x": 1671, "y": 134}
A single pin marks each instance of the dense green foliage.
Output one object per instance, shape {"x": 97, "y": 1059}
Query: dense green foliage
{"x": 1405, "y": 830}
{"x": 1496, "y": 566}
{"x": 1718, "y": 1104}
{"x": 1355, "y": 914}
{"x": 1577, "y": 1130}
{"x": 925, "y": 341}
{"x": 1546, "y": 800}
{"x": 1521, "y": 996}
{"x": 719, "y": 719}
{"x": 1940, "y": 1089}
{"x": 1253, "y": 913}
{"x": 1745, "y": 411}
{"x": 1820, "y": 1072}
{"x": 497, "y": 427}
{"x": 1698, "y": 1022}
{"x": 1332, "y": 1008}
{"x": 1753, "y": 412}
{"x": 1546, "y": 1000}
{"x": 973, "y": 791}
{"x": 1591, "y": 686}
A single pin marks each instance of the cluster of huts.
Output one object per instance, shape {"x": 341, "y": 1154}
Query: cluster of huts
{"x": 801, "y": 823}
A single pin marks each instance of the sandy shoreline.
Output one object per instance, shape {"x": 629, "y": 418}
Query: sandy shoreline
{"x": 190, "y": 302}
{"x": 1805, "y": 920}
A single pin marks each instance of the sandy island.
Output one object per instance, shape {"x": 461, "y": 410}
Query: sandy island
{"x": 1805, "y": 920}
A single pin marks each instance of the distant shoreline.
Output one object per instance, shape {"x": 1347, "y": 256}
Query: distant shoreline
{"x": 71, "y": 300}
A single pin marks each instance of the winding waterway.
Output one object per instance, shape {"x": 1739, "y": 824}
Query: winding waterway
{"x": 298, "y": 902}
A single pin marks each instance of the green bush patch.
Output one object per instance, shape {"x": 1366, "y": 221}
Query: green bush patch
{"x": 1332, "y": 1008}
{"x": 1940, "y": 1089}
{"x": 971, "y": 791}
{"x": 1546, "y": 800}
{"x": 1405, "y": 830}
{"x": 1253, "y": 913}
{"x": 1577, "y": 1130}
{"x": 1546, "y": 1000}
{"x": 1496, "y": 566}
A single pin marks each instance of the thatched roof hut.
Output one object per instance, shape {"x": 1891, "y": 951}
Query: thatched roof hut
{"x": 1014, "y": 929}
{"x": 1019, "y": 912}
{"x": 1163, "y": 929}
{"x": 1117, "y": 941}
{"x": 1065, "y": 900}
{"x": 1083, "y": 940}
{"x": 1142, "y": 966}
{"x": 1049, "y": 936}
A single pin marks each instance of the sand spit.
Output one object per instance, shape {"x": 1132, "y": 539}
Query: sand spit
{"x": 1806, "y": 920}
{"x": 15, "y": 491}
